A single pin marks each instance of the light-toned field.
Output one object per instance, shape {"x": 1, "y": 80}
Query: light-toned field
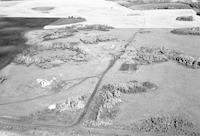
{"x": 96, "y": 12}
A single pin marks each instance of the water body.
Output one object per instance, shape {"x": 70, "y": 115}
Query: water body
{"x": 12, "y": 41}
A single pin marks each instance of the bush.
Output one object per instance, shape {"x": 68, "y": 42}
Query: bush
{"x": 145, "y": 55}
{"x": 3, "y": 79}
{"x": 109, "y": 96}
{"x": 167, "y": 124}
{"x": 149, "y": 55}
{"x": 96, "y": 39}
{"x": 187, "y": 31}
{"x": 189, "y": 61}
{"x": 185, "y": 18}
{"x": 69, "y": 20}
{"x": 95, "y": 27}
{"x": 57, "y": 35}
{"x": 29, "y": 56}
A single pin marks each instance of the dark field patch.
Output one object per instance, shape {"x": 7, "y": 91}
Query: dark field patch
{"x": 11, "y": 34}
{"x": 27, "y": 22}
{"x": 128, "y": 67}
{"x": 43, "y": 9}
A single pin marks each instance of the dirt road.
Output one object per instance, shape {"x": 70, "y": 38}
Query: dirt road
{"x": 6, "y": 121}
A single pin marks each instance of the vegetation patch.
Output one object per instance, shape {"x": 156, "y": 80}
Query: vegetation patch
{"x": 152, "y": 4}
{"x": 185, "y": 18}
{"x": 68, "y": 53}
{"x": 128, "y": 67}
{"x": 96, "y": 39}
{"x": 3, "y": 79}
{"x": 146, "y": 55}
{"x": 63, "y": 112}
{"x": 68, "y": 20}
{"x": 162, "y": 5}
{"x": 175, "y": 125}
{"x": 133, "y": 87}
{"x": 182, "y": 58}
{"x": 189, "y": 61}
{"x": 195, "y": 6}
{"x": 187, "y": 31}
{"x": 95, "y": 27}
{"x": 50, "y": 116}
{"x": 105, "y": 108}
{"x": 59, "y": 33}
{"x": 71, "y": 104}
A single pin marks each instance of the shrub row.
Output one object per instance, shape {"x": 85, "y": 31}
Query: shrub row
{"x": 109, "y": 96}
{"x": 168, "y": 124}
{"x": 146, "y": 55}
{"x": 187, "y": 31}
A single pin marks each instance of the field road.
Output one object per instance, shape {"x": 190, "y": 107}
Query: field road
{"x": 13, "y": 123}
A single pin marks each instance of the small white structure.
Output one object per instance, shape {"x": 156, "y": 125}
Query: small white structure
{"x": 71, "y": 104}
{"x": 52, "y": 107}
{"x": 45, "y": 83}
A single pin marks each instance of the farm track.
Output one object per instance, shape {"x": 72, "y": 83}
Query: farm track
{"x": 44, "y": 96}
{"x": 6, "y": 121}
{"x": 111, "y": 64}
{"x": 20, "y": 126}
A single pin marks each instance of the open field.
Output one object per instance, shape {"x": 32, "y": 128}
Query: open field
{"x": 80, "y": 79}
{"x": 79, "y": 71}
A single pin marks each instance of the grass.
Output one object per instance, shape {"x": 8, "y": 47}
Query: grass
{"x": 46, "y": 115}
